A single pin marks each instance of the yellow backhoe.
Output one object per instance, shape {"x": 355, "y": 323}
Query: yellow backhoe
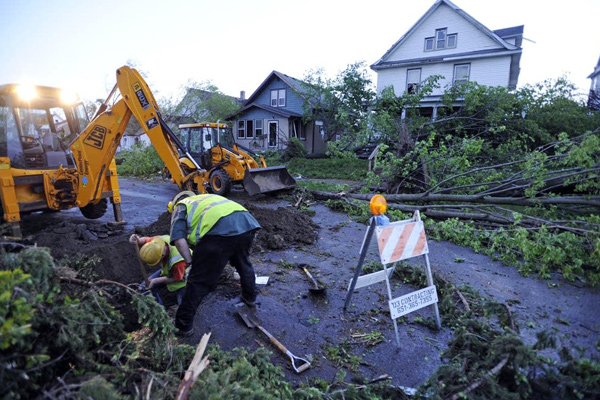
{"x": 53, "y": 158}
{"x": 212, "y": 146}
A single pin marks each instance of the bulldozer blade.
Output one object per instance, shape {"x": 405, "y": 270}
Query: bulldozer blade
{"x": 265, "y": 180}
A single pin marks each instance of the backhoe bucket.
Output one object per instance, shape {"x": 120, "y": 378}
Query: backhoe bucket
{"x": 270, "y": 179}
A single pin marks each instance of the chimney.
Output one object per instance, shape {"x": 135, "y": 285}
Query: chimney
{"x": 242, "y": 95}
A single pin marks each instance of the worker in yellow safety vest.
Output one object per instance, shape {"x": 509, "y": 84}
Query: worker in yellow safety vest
{"x": 157, "y": 250}
{"x": 218, "y": 230}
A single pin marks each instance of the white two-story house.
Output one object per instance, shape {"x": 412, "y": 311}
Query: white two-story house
{"x": 449, "y": 42}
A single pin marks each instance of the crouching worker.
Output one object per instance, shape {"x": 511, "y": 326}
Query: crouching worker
{"x": 157, "y": 250}
{"x": 219, "y": 231}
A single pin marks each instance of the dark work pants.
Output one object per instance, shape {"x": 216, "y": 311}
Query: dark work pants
{"x": 209, "y": 259}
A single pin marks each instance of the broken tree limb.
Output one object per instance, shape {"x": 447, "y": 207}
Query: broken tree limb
{"x": 196, "y": 367}
{"x": 475, "y": 385}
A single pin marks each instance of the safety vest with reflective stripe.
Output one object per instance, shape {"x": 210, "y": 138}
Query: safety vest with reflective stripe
{"x": 174, "y": 258}
{"x": 203, "y": 212}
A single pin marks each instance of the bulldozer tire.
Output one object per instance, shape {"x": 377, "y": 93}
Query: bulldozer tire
{"x": 94, "y": 211}
{"x": 220, "y": 182}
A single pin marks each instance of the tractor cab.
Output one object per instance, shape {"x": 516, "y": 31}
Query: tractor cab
{"x": 37, "y": 125}
{"x": 201, "y": 138}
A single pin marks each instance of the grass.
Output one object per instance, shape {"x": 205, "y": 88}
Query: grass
{"x": 331, "y": 168}
{"x": 324, "y": 186}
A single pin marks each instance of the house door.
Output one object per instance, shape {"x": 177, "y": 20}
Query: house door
{"x": 273, "y": 129}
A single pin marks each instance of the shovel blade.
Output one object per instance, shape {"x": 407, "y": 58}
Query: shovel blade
{"x": 247, "y": 315}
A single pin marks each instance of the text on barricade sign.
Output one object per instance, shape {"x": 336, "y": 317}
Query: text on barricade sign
{"x": 413, "y": 301}
{"x": 401, "y": 240}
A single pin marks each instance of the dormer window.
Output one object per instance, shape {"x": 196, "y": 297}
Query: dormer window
{"x": 278, "y": 98}
{"x": 442, "y": 40}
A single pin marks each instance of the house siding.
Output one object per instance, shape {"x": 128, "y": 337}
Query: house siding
{"x": 293, "y": 102}
{"x": 491, "y": 62}
{"x": 487, "y": 71}
{"x": 259, "y": 108}
{"x": 468, "y": 38}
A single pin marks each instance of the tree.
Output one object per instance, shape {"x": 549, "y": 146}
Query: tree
{"x": 204, "y": 102}
{"x": 342, "y": 104}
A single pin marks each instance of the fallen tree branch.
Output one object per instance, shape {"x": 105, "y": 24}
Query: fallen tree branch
{"x": 95, "y": 283}
{"x": 196, "y": 367}
{"x": 475, "y": 385}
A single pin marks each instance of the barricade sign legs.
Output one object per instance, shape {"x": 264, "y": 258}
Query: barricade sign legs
{"x": 397, "y": 241}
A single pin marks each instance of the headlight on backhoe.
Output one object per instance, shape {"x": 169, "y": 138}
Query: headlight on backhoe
{"x": 67, "y": 97}
{"x": 26, "y": 92}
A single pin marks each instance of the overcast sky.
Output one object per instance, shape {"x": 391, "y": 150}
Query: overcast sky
{"x": 235, "y": 44}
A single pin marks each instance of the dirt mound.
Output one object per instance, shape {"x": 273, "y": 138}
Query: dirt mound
{"x": 117, "y": 260}
{"x": 281, "y": 228}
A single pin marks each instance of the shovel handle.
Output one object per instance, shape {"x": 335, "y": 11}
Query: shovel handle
{"x": 311, "y": 277}
{"x": 273, "y": 340}
{"x": 285, "y": 351}
{"x": 142, "y": 268}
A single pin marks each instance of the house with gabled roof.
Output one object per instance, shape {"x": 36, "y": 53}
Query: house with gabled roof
{"x": 449, "y": 42}
{"x": 274, "y": 113}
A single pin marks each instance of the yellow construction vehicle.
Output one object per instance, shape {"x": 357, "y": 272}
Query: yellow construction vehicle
{"x": 212, "y": 146}
{"x": 53, "y": 158}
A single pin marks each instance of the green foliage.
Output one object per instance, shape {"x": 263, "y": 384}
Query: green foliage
{"x": 539, "y": 251}
{"x": 294, "y": 149}
{"x": 350, "y": 168}
{"x": 49, "y": 335}
{"x": 140, "y": 161}
{"x": 204, "y": 102}
{"x": 241, "y": 375}
{"x": 342, "y": 103}
{"x": 484, "y": 342}
{"x": 15, "y": 310}
{"x": 324, "y": 186}
{"x": 342, "y": 356}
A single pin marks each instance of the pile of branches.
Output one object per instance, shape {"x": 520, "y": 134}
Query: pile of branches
{"x": 550, "y": 197}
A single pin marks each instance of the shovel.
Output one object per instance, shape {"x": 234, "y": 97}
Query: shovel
{"x": 142, "y": 268}
{"x": 316, "y": 287}
{"x": 252, "y": 322}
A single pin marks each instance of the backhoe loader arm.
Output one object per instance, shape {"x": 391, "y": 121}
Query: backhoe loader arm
{"x": 95, "y": 148}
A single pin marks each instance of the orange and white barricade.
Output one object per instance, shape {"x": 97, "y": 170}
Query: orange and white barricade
{"x": 395, "y": 242}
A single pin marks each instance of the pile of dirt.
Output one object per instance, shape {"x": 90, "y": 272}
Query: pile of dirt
{"x": 281, "y": 228}
{"x": 117, "y": 260}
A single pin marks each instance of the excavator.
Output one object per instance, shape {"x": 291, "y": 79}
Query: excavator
{"x": 53, "y": 158}
{"x": 213, "y": 148}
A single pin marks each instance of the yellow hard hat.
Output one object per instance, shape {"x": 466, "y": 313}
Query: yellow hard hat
{"x": 178, "y": 197}
{"x": 152, "y": 252}
{"x": 378, "y": 205}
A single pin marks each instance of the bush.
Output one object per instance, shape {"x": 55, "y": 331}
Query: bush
{"x": 294, "y": 149}
{"x": 140, "y": 160}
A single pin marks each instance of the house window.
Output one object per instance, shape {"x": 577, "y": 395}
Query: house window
{"x": 413, "y": 79}
{"x": 451, "y": 41}
{"x": 278, "y": 98}
{"x": 461, "y": 74}
{"x": 249, "y": 129}
{"x": 429, "y": 44}
{"x": 441, "y": 40}
{"x": 258, "y": 127}
{"x": 241, "y": 129}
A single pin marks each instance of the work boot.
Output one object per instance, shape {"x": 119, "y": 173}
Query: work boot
{"x": 250, "y": 304}
{"x": 187, "y": 333}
